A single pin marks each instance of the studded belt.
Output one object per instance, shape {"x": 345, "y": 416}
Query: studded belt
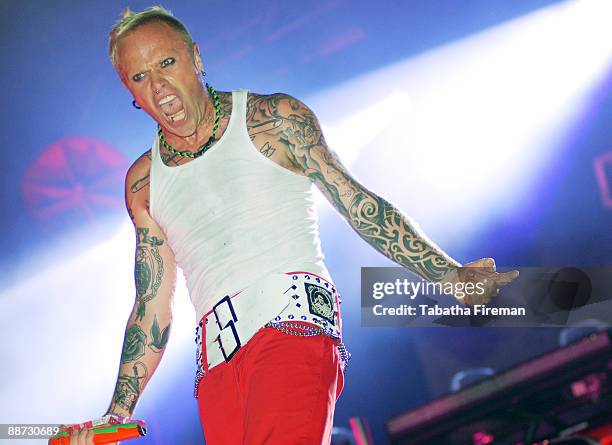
{"x": 295, "y": 303}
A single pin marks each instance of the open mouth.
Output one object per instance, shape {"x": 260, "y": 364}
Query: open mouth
{"x": 177, "y": 116}
{"x": 172, "y": 107}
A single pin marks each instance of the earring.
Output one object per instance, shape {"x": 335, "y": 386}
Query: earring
{"x": 203, "y": 73}
{"x": 135, "y": 105}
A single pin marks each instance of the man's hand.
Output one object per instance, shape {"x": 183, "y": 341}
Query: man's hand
{"x": 84, "y": 436}
{"x": 482, "y": 274}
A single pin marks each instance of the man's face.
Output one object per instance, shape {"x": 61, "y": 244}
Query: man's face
{"x": 158, "y": 68}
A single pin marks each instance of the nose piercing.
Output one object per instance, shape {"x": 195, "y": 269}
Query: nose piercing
{"x": 156, "y": 91}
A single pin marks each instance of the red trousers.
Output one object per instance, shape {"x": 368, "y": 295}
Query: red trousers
{"x": 279, "y": 389}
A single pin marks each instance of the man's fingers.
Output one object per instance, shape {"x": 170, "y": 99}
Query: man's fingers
{"x": 483, "y": 271}
{"x": 83, "y": 435}
{"x": 506, "y": 277}
{"x": 483, "y": 263}
{"x": 89, "y": 438}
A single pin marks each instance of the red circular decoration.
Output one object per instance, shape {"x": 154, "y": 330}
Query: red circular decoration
{"x": 76, "y": 177}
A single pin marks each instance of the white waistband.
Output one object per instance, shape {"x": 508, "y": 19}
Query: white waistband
{"x": 277, "y": 298}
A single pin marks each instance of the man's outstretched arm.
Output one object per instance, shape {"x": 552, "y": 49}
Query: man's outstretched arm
{"x": 375, "y": 219}
{"x": 294, "y": 127}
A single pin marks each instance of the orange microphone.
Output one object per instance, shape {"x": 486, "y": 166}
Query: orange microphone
{"x": 111, "y": 432}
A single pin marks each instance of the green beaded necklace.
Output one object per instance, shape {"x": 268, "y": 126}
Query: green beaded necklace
{"x": 205, "y": 146}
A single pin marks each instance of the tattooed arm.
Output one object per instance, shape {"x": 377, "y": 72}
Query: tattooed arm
{"x": 148, "y": 326}
{"x": 290, "y": 126}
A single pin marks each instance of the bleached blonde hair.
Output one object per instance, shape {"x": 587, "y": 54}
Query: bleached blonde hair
{"x": 131, "y": 20}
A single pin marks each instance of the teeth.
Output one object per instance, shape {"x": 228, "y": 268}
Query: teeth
{"x": 177, "y": 116}
{"x": 166, "y": 99}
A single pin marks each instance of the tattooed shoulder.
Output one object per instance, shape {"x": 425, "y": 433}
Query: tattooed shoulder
{"x": 282, "y": 126}
{"x": 137, "y": 184}
{"x": 225, "y": 101}
{"x": 263, "y": 107}
{"x": 138, "y": 175}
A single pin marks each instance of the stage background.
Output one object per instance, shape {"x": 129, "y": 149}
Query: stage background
{"x": 487, "y": 121}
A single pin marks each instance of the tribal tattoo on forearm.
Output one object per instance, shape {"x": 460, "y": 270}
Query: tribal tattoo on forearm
{"x": 287, "y": 122}
{"x": 148, "y": 271}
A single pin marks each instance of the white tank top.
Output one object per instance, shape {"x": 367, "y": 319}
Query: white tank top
{"x": 233, "y": 216}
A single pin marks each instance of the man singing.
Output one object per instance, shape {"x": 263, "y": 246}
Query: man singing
{"x": 225, "y": 193}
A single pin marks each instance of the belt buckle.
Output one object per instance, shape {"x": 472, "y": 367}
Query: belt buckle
{"x": 229, "y": 324}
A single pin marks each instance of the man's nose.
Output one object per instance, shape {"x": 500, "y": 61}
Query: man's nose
{"x": 158, "y": 83}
